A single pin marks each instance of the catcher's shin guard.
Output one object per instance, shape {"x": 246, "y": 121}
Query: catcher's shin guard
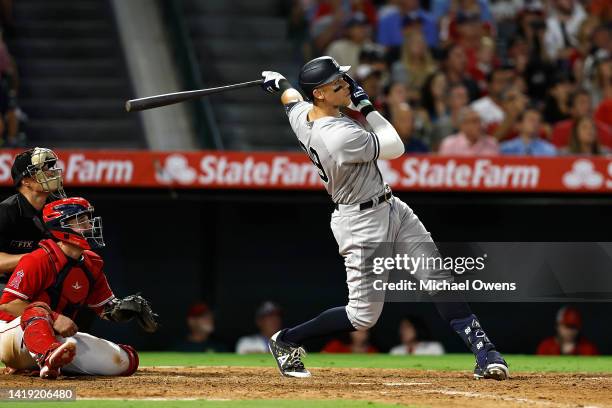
{"x": 38, "y": 334}
{"x": 133, "y": 359}
{"x": 489, "y": 362}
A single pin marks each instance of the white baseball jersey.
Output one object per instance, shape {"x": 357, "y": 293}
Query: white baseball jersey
{"x": 344, "y": 152}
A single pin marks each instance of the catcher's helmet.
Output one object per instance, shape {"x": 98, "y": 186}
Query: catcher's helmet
{"x": 71, "y": 220}
{"x": 319, "y": 71}
{"x": 39, "y": 164}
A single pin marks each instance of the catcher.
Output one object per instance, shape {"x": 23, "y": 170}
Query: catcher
{"x": 47, "y": 289}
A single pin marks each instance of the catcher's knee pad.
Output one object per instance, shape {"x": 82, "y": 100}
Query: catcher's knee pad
{"x": 36, "y": 311}
{"x": 363, "y": 315}
{"x": 133, "y": 359}
{"x": 37, "y": 325}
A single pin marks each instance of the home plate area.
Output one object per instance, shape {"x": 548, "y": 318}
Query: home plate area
{"x": 402, "y": 387}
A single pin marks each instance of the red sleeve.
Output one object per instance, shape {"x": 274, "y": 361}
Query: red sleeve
{"x": 548, "y": 347}
{"x": 603, "y": 131}
{"x": 604, "y": 111}
{"x": 27, "y": 280}
{"x": 101, "y": 293}
{"x": 561, "y": 133}
{"x": 586, "y": 348}
{"x": 335, "y": 346}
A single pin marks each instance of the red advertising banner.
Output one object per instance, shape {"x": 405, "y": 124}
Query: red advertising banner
{"x": 294, "y": 171}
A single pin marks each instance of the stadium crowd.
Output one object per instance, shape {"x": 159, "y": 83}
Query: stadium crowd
{"x": 475, "y": 77}
{"x": 414, "y": 335}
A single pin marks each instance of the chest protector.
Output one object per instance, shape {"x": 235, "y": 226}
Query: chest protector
{"x": 63, "y": 265}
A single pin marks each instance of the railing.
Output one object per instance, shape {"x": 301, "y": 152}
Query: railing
{"x": 203, "y": 116}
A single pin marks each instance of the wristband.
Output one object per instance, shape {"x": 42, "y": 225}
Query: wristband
{"x": 283, "y": 85}
{"x": 369, "y": 108}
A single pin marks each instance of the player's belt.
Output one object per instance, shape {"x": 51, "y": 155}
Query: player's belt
{"x": 371, "y": 203}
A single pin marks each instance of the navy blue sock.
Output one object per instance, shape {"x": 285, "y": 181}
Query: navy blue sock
{"x": 329, "y": 322}
{"x": 474, "y": 336}
{"x": 452, "y": 310}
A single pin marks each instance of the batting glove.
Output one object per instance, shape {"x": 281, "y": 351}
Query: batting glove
{"x": 360, "y": 101}
{"x": 273, "y": 82}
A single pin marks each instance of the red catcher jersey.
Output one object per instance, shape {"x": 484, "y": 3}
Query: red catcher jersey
{"x": 37, "y": 273}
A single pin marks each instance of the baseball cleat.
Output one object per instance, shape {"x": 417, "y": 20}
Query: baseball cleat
{"x": 56, "y": 359}
{"x": 495, "y": 367}
{"x": 288, "y": 357}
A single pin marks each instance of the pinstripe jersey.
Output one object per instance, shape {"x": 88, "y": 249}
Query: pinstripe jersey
{"x": 343, "y": 151}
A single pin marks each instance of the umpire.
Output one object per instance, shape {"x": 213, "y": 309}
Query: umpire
{"x": 36, "y": 177}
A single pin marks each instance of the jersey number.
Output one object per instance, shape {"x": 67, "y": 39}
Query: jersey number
{"x": 314, "y": 158}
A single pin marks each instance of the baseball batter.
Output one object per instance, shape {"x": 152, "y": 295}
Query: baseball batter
{"x": 366, "y": 212}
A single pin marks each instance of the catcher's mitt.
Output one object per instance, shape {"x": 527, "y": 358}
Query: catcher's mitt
{"x": 133, "y": 306}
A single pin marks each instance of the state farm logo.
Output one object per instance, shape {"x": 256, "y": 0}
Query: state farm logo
{"x": 479, "y": 174}
{"x": 583, "y": 175}
{"x": 175, "y": 169}
{"x": 80, "y": 169}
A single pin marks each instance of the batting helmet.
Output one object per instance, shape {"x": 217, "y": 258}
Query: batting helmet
{"x": 71, "y": 220}
{"x": 319, "y": 71}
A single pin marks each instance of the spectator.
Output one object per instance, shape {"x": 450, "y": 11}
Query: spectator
{"x": 568, "y": 339}
{"x": 470, "y": 141}
{"x": 484, "y": 64}
{"x": 514, "y": 104}
{"x": 415, "y": 64}
{"x": 327, "y": 25}
{"x": 402, "y": 119}
{"x": 584, "y": 139}
{"x": 201, "y": 324}
{"x": 556, "y": 107}
{"x": 528, "y": 142}
{"x": 359, "y": 342}
{"x": 441, "y": 8}
{"x": 469, "y": 33}
{"x": 455, "y": 68}
{"x": 434, "y": 94}
{"x": 602, "y": 83}
{"x": 268, "y": 319}
{"x": 539, "y": 68}
{"x": 490, "y": 107}
{"x": 580, "y": 106}
{"x": 371, "y": 81}
{"x": 390, "y": 25}
{"x": 347, "y": 50}
{"x": 449, "y": 123}
{"x": 562, "y": 27}
{"x": 415, "y": 339}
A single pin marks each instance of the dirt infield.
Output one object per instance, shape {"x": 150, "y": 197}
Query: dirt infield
{"x": 429, "y": 388}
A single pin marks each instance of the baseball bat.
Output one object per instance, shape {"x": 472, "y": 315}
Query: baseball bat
{"x": 156, "y": 101}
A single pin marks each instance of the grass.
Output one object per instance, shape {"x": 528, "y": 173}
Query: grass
{"x": 448, "y": 362}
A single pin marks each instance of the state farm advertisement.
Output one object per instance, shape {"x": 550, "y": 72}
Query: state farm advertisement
{"x": 294, "y": 171}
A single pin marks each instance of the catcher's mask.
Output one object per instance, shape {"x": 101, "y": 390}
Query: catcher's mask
{"x": 39, "y": 164}
{"x": 71, "y": 220}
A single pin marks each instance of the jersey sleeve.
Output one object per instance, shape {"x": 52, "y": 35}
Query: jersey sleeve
{"x": 348, "y": 142}
{"x": 26, "y": 281}
{"x": 5, "y": 225}
{"x": 296, "y": 113}
{"x": 100, "y": 295}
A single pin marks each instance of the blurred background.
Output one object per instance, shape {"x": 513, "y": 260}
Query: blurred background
{"x": 514, "y": 81}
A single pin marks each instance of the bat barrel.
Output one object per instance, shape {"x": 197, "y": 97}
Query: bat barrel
{"x": 156, "y": 101}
